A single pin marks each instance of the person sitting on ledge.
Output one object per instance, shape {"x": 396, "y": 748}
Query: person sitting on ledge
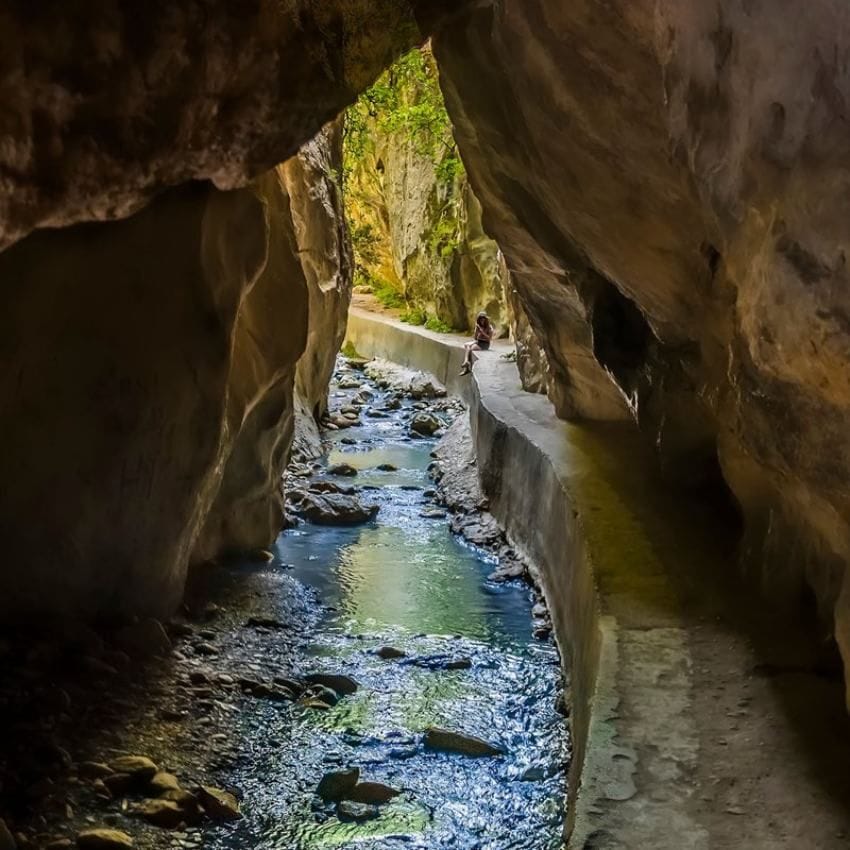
{"x": 484, "y": 331}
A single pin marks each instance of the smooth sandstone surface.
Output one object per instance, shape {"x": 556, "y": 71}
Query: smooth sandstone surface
{"x": 700, "y": 718}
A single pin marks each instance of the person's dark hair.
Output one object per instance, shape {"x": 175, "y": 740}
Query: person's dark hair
{"x": 482, "y": 318}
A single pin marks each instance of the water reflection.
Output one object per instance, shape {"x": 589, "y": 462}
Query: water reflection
{"x": 404, "y": 580}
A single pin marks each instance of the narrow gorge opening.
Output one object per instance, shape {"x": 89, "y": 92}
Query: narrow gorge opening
{"x": 241, "y": 603}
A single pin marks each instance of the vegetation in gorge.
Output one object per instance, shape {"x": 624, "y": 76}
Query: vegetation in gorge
{"x": 406, "y": 198}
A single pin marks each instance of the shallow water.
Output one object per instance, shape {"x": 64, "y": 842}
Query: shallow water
{"x": 404, "y": 580}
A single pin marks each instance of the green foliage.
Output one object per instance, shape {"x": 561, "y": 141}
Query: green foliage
{"x": 414, "y": 316}
{"x": 405, "y": 100}
{"x": 348, "y": 350}
{"x": 386, "y": 293}
{"x": 438, "y": 325}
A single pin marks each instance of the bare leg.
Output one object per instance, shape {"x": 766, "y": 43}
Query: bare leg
{"x": 468, "y": 358}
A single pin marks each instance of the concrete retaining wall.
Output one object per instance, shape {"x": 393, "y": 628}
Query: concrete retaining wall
{"x": 658, "y": 634}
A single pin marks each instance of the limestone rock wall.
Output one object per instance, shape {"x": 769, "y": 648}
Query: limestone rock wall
{"x": 416, "y": 221}
{"x": 148, "y": 388}
{"x": 106, "y": 104}
{"x": 668, "y": 182}
{"x": 312, "y": 178}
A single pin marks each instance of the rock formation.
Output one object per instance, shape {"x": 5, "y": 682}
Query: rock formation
{"x": 148, "y": 356}
{"x": 312, "y": 180}
{"x": 667, "y": 181}
{"x": 415, "y": 220}
{"x": 104, "y": 106}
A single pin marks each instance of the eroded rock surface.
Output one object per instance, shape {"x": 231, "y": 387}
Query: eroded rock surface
{"x": 668, "y": 184}
{"x": 105, "y": 106}
{"x": 312, "y": 181}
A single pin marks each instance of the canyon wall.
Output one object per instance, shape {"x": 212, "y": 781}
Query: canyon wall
{"x": 312, "y": 179}
{"x": 149, "y": 385}
{"x": 106, "y": 104}
{"x": 150, "y": 410}
{"x": 416, "y": 224}
{"x": 668, "y": 182}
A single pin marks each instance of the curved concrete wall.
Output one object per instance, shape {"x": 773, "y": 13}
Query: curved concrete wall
{"x": 658, "y": 636}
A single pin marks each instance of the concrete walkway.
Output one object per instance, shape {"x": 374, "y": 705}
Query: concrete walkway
{"x": 700, "y": 718}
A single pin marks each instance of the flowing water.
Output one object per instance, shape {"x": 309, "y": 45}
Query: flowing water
{"x": 403, "y": 580}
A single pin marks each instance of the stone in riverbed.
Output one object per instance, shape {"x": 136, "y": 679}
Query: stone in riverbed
{"x": 444, "y": 740}
{"x": 337, "y": 682}
{"x": 103, "y": 839}
{"x": 425, "y": 424}
{"x": 218, "y": 804}
{"x": 331, "y": 487}
{"x": 163, "y": 782}
{"x": 389, "y": 652}
{"x": 322, "y": 693}
{"x": 335, "y": 509}
{"x": 345, "y": 469}
{"x": 138, "y": 768}
{"x": 356, "y": 812}
{"x": 433, "y": 513}
{"x": 93, "y": 769}
{"x": 335, "y": 784}
{"x": 371, "y": 793}
{"x": 387, "y": 467}
{"x": 164, "y": 813}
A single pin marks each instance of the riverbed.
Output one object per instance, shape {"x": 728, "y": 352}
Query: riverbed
{"x": 210, "y": 703}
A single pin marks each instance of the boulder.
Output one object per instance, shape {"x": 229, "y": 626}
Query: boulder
{"x": 444, "y": 740}
{"x": 335, "y": 509}
{"x": 103, "y": 839}
{"x": 218, "y": 804}
{"x": 336, "y": 784}
{"x": 426, "y": 424}
{"x": 337, "y": 682}
{"x": 371, "y": 793}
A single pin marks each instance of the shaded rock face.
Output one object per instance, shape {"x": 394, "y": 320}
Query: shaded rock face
{"x": 668, "y": 183}
{"x": 105, "y": 106}
{"x": 311, "y": 178}
{"x": 137, "y": 382}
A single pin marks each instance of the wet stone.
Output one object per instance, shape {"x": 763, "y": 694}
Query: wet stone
{"x": 343, "y": 469}
{"x": 339, "y": 683}
{"x": 103, "y": 839}
{"x": 444, "y": 740}
{"x": 348, "y": 811}
{"x": 390, "y": 652}
{"x": 218, "y": 804}
{"x": 336, "y": 784}
{"x": 372, "y": 793}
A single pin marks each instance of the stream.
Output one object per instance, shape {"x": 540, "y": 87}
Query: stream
{"x": 405, "y": 581}
{"x": 215, "y": 709}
